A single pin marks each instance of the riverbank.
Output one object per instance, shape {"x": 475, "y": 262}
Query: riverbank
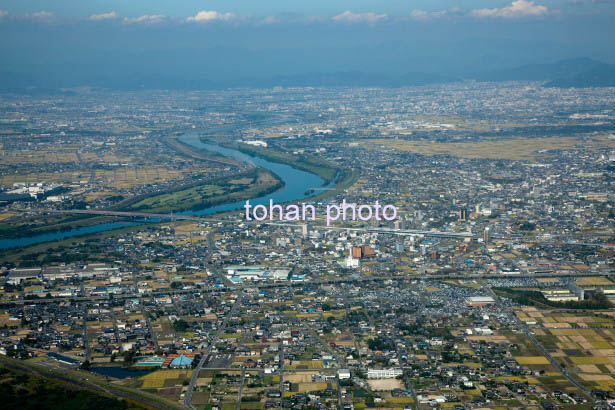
{"x": 38, "y": 250}
{"x": 297, "y": 184}
{"x": 324, "y": 169}
{"x": 247, "y": 185}
{"x": 32, "y": 226}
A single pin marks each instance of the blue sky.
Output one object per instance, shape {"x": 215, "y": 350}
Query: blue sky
{"x": 182, "y": 9}
{"x": 230, "y": 39}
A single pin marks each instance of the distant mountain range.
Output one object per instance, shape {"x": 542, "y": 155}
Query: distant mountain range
{"x": 602, "y": 75}
{"x": 580, "y": 72}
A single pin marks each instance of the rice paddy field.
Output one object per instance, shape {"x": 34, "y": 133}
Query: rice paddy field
{"x": 594, "y": 281}
{"x": 532, "y": 360}
{"x": 525, "y": 149}
{"x": 98, "y": 168}
{"x": 117, "y": 178}
{"x": 305, "y": 364}
{"x": 582, "y": 342}
{"x": 164, "y": 378}
{"x": 567, "y": 320}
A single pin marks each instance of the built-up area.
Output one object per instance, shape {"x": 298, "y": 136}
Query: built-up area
{"x": 492, "y": 288}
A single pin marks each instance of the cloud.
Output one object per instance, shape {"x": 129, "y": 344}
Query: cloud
{"x": 427, "y": 15}
{"x": 205, "y": 16}
{"x": 311, "y": 19}
{"x": 350, "y": 17}
{"x": 146, "y": 19}
{"x": 518, "y": 8}
{"x": 41, "y": 15}
{"x": 270, "y": 20}
{"x": 104, "y": 16}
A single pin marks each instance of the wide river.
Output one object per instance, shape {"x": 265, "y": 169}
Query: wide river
{"x": 296, "y": 185}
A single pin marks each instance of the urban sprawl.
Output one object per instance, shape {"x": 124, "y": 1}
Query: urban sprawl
{"x": 493, "y": 288}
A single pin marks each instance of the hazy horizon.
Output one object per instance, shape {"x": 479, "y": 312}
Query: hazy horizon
{"x": 60, "y": 44}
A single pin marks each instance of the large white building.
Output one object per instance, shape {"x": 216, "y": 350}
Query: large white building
{"x": 240, "y": 273}
{"x": 343, "y": 374}
{"x": 480, "y": 300}
{"x": 16, "y": 276}
{"x": 351, "y": 262}
{"x": 384, "y": 373}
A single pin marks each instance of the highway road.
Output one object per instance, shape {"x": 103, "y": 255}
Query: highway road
{"x": 180, "y": 216}
{"x": 388, "y": 231}
{"x": 241, "y": 383}
{"x": 86, "y": 340}
{"x": 331, "y": 281}
{"x": 90, "y": 382}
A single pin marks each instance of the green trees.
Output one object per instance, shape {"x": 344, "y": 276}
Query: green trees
{"x": 180, "y": 325}
{"x": 20, "y": 391}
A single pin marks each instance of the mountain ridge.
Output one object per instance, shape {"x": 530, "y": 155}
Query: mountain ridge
{"x": 575, "y": 72}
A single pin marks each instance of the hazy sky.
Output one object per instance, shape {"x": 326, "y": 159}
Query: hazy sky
{"x": 227, "y": 39}
{"x": 324, "y": 8}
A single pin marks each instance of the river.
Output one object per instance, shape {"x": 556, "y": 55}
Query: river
{"x": 296, "y": 185}
{"x": 296, "y": 182}
{"x": 119, "y": 372}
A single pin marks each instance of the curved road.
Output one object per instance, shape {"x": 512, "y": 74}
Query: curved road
{"x": 107, "y": 389}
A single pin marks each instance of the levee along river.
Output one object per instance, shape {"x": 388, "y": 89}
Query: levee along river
{"x": 297, "y": 184}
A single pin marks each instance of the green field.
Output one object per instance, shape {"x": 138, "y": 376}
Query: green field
{"x": 21, "y": 391}
{"x": 248, "y": 186}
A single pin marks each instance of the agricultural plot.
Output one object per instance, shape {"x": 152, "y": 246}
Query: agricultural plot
{"x": 305, "y": 364}
{"x": 566, "y": 320}
{"x": 99, "y": 169}
{"x": 363, "y": 398}
{"x": 590, "y": 353}
{"x": 221, "y": 388}
{"x": 532, "y": 360}
{"x": 163, "y": 378}
{"x": 583, "y": 342}
{"x": 513, "y": 148}
{"x": 593, "y": 281}
{"x": 166, "y": 383}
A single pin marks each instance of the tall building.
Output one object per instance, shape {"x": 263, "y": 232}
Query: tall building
{"x": 305, "y": 230}
{"x": 463, "y": 214}
{"x": 363, "y": 251}
{"x": 356, "y": 252}
{"x": 487, "y": 235}
{"x": 367, "y": 251}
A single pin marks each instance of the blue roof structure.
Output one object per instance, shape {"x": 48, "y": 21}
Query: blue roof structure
{"x": 182, "y": 361}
